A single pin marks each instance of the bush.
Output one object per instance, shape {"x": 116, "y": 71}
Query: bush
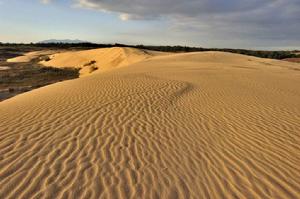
{"x": 90, "y": 63}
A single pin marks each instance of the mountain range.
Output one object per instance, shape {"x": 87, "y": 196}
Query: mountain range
{"x": 65, "y": 41}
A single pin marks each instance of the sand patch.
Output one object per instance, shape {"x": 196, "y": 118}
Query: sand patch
{"x": 4, "y": 67}
{"x": 31, "y": 55}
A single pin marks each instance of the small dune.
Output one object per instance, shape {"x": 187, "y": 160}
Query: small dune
{"x": 104, "y": 59}
{"x": 27, "y": 57}
{"x": 155, "y": 125}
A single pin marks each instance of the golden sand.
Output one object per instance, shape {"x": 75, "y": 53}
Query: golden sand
{"x": 193, "y": 125}
{"x": 104, "y": 59}
{"x": 27, "y": 57}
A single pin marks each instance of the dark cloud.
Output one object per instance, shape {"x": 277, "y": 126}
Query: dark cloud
{"x": 156, "y": 8}
{"x": 249, "y": 20}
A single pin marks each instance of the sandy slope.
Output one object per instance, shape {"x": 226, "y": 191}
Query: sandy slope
{"x": 27, "y": 57}
{"x": 99, "y": 59}
{"x": 198, "y": 125}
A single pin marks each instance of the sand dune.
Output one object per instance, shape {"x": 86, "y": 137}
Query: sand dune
{"x": 195, "y": 125}
{"x": 27, "y": 57}
{"x": 99, "y": 59}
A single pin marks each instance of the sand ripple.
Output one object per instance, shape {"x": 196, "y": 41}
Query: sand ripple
{"x": 171, "y": 127}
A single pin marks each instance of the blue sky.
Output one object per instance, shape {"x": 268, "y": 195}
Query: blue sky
{"x": 261, "y": 24}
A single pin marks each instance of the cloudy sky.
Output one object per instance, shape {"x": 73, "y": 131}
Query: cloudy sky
{"x": 260, "y": 24}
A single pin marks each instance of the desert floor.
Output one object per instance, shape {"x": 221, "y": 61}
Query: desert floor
{"x": 142, "y": 124}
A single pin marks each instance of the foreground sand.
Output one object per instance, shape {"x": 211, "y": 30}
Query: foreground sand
{"x": 197, "y": 125}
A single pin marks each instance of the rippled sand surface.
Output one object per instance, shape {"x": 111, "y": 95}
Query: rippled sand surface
{"x": 194, "y": 125}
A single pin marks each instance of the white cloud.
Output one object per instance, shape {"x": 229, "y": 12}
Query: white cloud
{"x": 124, "y": 17}
{"x": 45, "y": 1}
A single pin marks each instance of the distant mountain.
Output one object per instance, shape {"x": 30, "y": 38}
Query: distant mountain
{"x": 64, "y": 41}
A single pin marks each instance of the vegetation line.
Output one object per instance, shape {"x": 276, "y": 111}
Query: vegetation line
{"x": 256, "y": 53}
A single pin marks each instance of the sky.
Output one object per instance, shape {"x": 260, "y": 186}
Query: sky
{"x": 252, "y": 24}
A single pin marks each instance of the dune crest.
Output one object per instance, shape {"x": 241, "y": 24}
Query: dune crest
{"x": 27, "y": 57}
{"x": 99, "y": 59}
{"x": 190, "y": 125}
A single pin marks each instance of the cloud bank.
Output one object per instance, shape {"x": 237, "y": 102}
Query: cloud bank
{"x": 144, "y": 9}
{"x": 254, "y": 21}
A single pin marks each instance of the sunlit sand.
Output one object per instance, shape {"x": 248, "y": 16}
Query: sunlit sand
{"x": 144, "y": 124}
